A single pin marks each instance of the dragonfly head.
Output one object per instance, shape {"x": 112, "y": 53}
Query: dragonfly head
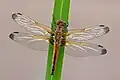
{"x": 60, "y": 26}
{"x": 60, "y": 23}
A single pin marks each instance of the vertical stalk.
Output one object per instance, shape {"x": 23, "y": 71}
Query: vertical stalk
{"x": 60, "y": 12}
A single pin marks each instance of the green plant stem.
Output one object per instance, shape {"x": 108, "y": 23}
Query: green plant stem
{"x": 60, "y": 12}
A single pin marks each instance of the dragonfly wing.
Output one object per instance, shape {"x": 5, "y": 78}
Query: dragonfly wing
{"x": 83, "y": 49}
{"x": 87, "y": 33}
{"x": 39, "y": 43}
{"x": 30, "y": 25}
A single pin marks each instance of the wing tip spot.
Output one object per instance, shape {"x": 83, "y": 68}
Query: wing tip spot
{"x": 11, "y": 36}
{"x": 16, "y": 32}
{"x": 100, "y": 46}
{"x": 104, "y": 51}
{"x": 107, "y": 29}
{"x": 102, "y": 25}
{"x": 14, "y": 15}
{"x": 19, "y": 13}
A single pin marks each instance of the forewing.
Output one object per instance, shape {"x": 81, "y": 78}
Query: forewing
{"x": 87, "y": 33}
{"x": 39, "y": 43}
{"x": 83, "y": 49}
{"x": 31, "y": 25}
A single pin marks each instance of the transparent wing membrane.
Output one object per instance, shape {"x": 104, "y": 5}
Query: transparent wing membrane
{"x": 38, "y": 36}
{"x": 87, "y": 33}
{"x": 31, "y": 25}
{"x": 39, "y": 43}
{"x": 83, "y": 49}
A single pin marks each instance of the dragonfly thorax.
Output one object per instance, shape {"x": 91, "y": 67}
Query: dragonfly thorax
{"x": 59, "y": 31}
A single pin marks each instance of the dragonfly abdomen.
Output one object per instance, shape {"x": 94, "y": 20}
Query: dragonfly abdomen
{"x": 55, "y": 57}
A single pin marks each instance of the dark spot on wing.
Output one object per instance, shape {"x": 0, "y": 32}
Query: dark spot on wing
{"x": 106, "y": 29}
{"x": 19, "y": 13}
{"x": 11, "y": 36}
{"x": 16, "y": 32}
{"x": 102, "y": 25}
{"x": 104, "y": 51}
{"x": 100, "y": 46}
{"x": 14, "y": 16}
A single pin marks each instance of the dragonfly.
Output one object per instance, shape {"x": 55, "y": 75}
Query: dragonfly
{"x": 39, "y": 36}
